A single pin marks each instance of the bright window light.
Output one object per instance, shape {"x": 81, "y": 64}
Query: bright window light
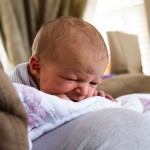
{"x": 123, "y": 15}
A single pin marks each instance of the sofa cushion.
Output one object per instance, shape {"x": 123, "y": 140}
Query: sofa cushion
{"x": 125, "y": 84}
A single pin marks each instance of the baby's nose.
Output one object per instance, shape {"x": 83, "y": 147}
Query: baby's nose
{"x": 82, "y": 90}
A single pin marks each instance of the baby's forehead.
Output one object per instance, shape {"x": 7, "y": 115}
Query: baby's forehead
{"x": 83, "y": 70}
{"x": 82, "y": 61}
{"x": 83, "y": 49}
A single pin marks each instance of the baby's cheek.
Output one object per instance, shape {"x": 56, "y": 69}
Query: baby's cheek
{"x": 61, "y": 89}
{"x": 91, "y": 92}
{"x": 68, "y": 88}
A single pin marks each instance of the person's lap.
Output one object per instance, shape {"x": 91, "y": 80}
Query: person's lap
{"x": 104, "y": 129}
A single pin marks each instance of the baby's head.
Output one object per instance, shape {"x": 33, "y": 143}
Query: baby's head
{"x": 69, "y": 56}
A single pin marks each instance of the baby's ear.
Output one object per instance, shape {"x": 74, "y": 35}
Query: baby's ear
{"x": 34, "y": 66}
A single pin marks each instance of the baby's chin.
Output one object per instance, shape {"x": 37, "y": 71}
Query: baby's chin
{"x": 72, "y": 98}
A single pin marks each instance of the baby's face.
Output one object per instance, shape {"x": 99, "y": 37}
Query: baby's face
{"x": 71, "y": 78}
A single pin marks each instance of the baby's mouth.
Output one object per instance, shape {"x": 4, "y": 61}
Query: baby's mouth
{"x": 77, "y": 99}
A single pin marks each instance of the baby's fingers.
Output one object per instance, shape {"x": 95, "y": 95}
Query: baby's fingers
{"x": 101, "y": 93}
{"x": 110, "y": 97}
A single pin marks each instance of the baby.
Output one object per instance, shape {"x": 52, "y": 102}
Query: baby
{"x": 69, "y": 57}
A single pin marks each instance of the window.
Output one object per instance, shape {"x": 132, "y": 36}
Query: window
{"x": 127, "y": 16}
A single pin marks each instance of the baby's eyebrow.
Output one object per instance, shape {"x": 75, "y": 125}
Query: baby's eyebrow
{"x": 79, "y": 72}
{"x": 68, "y": 70}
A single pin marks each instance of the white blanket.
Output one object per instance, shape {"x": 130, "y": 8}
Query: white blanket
{"x": 46, "y": 112}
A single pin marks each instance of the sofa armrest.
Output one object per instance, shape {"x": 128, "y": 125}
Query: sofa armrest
{"x": 125, "y": 84}
{"x": 13, "y": 124}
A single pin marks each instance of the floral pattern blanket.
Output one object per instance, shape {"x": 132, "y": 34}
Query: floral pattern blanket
{"x": 46, "y": 112}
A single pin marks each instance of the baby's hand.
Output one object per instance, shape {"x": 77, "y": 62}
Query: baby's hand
{"x": 102, "y": 94}
{"x": 63, "y": 96}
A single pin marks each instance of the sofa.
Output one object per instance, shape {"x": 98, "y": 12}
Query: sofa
{"x": 126, "y": 84}
{"x": 13, "y": 118}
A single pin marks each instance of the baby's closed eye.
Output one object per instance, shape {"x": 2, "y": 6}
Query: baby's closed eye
{"x": 93, "y": 83}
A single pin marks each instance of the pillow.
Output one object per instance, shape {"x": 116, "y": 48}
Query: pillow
{"x": 107, "y": 129}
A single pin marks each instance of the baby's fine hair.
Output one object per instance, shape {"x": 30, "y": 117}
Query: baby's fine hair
{"x": 56, "y": 33}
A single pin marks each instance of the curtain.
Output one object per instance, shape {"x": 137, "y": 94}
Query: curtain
{"x": 20, "y": 20}
{"x": 147, "y": 8}
{"x": 14, "y": 31}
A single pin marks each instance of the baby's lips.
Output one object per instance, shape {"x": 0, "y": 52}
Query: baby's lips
{"x": 78, "y": 99}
